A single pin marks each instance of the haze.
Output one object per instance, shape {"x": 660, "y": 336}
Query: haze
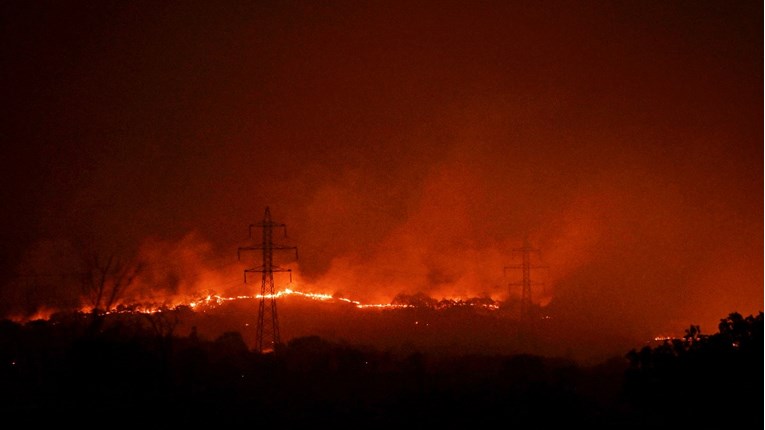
{"x": 408, "y": 146}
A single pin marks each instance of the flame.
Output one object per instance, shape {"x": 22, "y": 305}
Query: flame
{"x": 43, "y": 313}
{"x": 214, "y": 300}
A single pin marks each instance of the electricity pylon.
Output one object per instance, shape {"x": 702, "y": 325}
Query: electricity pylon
{"x": 526, "y": 283}
{"x": 267, "y": 338}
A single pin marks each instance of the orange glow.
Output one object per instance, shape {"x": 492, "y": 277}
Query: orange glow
{"x": 409, "y": 150}
{"x": 214, "y": 300}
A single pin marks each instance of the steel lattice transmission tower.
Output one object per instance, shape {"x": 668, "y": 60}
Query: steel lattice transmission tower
{"x": 267, "y": 337}
{"x": 526, "y": 283}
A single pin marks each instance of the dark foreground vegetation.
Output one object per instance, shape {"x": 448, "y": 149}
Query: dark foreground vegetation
{"x": 72, "y": 369}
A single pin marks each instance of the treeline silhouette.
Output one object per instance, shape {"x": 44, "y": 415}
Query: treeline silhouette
{"x": 702, "y": 379}
{"x": 136, "y": 370}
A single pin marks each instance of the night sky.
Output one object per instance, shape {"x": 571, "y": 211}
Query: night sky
{"x": 408, "y": 146}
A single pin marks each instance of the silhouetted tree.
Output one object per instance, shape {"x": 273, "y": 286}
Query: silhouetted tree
{"x": 712, "y": 378}
{"x": 104, "y": 281}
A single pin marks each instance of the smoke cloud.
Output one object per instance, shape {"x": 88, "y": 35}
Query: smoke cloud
{"x": 408, "y": 148}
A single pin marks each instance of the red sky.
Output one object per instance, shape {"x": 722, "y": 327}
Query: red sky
{"x": 408, "y": 146}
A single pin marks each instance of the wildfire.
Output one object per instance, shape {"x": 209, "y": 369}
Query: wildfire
{"x": 214, "y": 300}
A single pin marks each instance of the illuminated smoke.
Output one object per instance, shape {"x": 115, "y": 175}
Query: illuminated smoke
{"x": 409, "y": 149}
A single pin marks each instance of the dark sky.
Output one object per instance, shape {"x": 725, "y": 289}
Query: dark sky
{"x": 409, "y": 146}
